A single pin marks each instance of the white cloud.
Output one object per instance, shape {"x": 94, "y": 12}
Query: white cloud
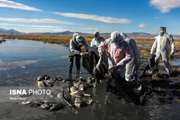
{"x": 34, "y": 24}
{"x": 142, "y": 25}
{"x": 165, "y": 6}
{"x": 34, "y": 21}
{"x": 16, "y": 5}
{"x": 40, "y": 30}
{"x": 104, "y": 19}
{"x": 28, "y": 28}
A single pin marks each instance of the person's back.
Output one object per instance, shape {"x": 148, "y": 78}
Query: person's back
{"x": 135, "y": 51}
{"x": 118, "y": 52}
{"x": 119, "y": 55}
{"x": 132, "y": 66}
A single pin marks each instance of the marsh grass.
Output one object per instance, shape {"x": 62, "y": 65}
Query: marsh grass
{"x": 65, "y": 40}
{"x": 44, "y": 38}
{"x": 149, "y": 41}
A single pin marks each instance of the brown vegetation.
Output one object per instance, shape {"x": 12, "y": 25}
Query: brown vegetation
{"x": 45, "y": 38}
{"x": 142, "y": 42}
{"x": 149, "y": 41}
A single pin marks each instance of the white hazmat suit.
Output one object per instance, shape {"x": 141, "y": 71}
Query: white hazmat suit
{"x": 164, "y": 47}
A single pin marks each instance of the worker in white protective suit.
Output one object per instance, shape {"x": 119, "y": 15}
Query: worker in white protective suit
{"x": 118, "y": 54}
{"x": 164, "y": 47}
{"x": 132, "y": 66}
{"x": 96, "y": 40}
{"x": 75, "y": 46}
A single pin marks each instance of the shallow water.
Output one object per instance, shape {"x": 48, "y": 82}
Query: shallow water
{"x": 22, "y": 61}
{"x": 176, "y": 62}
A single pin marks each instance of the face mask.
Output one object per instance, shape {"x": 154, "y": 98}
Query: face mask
{"x": 161, "y": 33}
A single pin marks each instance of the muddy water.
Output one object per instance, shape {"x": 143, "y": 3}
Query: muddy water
{"x": 21, "y": 61}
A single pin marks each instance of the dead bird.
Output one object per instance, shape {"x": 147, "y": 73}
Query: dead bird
{"x": 78, "y": 95}
{"x": 73, "y": 95}
{"x": 44, "y": 81}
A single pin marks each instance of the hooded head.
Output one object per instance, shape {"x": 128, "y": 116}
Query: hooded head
{"x": 96, "y": 35}
{"x": 80, "y": 39}
{"x": 74, "y": 36}
{"x": 162, "y": 30}
{"x": 116, "y": 37}
{"x": 123, "y": 35}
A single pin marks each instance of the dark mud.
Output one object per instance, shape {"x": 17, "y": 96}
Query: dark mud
{"x": 161, "y": 103}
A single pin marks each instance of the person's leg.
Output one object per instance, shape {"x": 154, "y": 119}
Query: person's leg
{"x": 167, "y": 64}
{"x": 78, "y": 65}
{"x": 119, "y": 79}
{"x": 111, "y": 81}
{"x": 71, "y": 60}
{"x": 108, "y": 85}
{"x": 92, "y": 62}
{"x": 147, "y": 67}
{"x": 155, "y": 68}
{"x": 168, "y": 67}
{"x": 136, "y": 75}
{"x": 130, "y": 71}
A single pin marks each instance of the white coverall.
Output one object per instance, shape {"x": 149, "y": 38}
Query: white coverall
{"x": 95, "y": 43}
{"x": 119, "y": 53}
{"x": 164, "y": 46}
{"x": 131, "y": 72}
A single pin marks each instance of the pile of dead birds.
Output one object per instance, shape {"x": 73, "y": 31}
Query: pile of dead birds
{"x": 73, "y": 94}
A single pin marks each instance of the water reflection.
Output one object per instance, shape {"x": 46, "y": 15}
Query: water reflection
{"x": 15, "y": 64}
{"x": 22, "y": 60}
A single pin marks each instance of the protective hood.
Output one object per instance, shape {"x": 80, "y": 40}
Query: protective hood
{"x": 75, "y": 35}
{"x": 80, "y": 39}
{"x": 123, "y": 35}
{"x": 96, "y": 34}
{"x": 116, "y": 37}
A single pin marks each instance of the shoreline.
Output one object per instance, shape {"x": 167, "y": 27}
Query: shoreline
{"x": 144, "y": 44}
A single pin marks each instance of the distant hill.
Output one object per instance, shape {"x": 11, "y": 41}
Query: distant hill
{"x": 69, "y": 33}
{"x": 64, "y": 33}
{"x": 54, "y": 33}
{"x": 140, "y": 34}
{"x": 9, "y": 32}
{"x": 177, "y": 36}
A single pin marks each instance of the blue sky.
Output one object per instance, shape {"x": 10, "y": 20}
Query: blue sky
{"x": 90, "y": 15}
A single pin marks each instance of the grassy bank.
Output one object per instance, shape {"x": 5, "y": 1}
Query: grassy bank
{"x": 142, "y": 42}
{"x": 44, "y": 38}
